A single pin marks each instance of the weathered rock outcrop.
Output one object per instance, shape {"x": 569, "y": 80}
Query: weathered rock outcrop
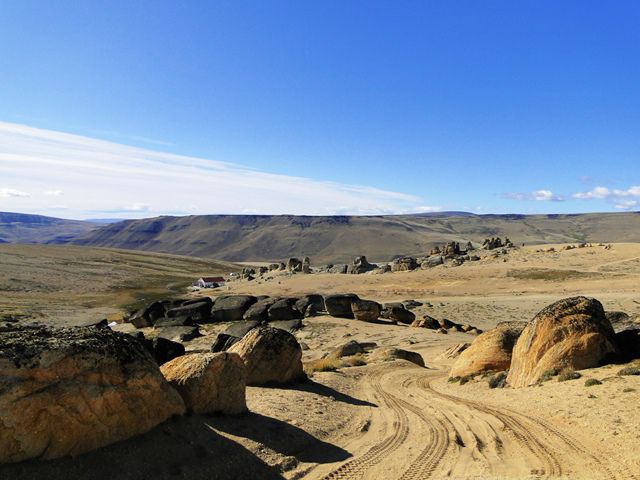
{"x": 271, "y": 355}
{"x": 209, "y": 382}
{"x": 294, "y": 265}
{"x": 399, "y": 314}
{"x": 340, "y": 305}
{"x": 107, "y": 379}
{"x": 312, "y": 300}
{"x": 365, "y": 310}
{"x": 361, "y": 265}
{"x": 259, "y": 311}
{"x": 233, "y": 335}
{"x": 162, "y": 349}
{"x": 426, "y": 322}
{"x": 199, "y": 312}
{"x": 231, "y": 307}
{"x": 385, "y": 354}
{"x": 490, "y": 351}
{"x": 284, "y": 309}
{"x": 404, "y": 264}
{"x": 573, "y": 333}
{"x": 146, "y": 317}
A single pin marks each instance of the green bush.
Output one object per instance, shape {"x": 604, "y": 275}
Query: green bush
{"x": 499, "y": 380}
{"x": 630, "y": 371}
{"x": 568, "y": 375}
{"x": 590, "y": 382}
{"x": 548, "y": 375}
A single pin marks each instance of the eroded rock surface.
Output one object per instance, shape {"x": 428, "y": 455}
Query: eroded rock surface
{"x": 66, "y": 391}
{"x": 573, "y": 333}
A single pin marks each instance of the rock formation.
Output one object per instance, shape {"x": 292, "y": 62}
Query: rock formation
{"x": 271, "y": 355}
{"x": 340, "y": 305}
{"x": 107, "y": 379}
{"x": 365, "y": 310}
{"x": 209, "y": 382}
{"x": 573, "y": 333}
{"x": 490, "y": 351}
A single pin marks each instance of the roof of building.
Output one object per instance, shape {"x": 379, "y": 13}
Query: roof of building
{"x": 213, "y": 279}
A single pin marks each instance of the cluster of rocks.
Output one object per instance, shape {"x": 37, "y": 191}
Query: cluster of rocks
{"x": 445, "y": 325}
{"x": 571, "y": 334}
{"x": 115, "y": 387}
{"x": 496, "y": 242}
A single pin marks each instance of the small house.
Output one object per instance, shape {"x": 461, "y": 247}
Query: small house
{"x": 211, "y": 282}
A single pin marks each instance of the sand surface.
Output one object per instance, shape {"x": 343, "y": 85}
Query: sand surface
{"x": 397, "y": 420}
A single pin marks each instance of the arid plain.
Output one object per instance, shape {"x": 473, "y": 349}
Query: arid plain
{"x": 380, "y": 419}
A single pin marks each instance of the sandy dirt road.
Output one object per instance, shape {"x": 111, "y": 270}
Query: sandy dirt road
{"x": 419, "y": 431}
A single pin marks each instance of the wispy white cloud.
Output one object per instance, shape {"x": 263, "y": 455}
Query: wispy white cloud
{"x": 13, "y": 193}
{"x": 536, "y": 195}
{"x": 104, "y": 177}
{"x": 622, "y": 199}
{"x": 54, "y": 193}
{"x": 604, "y": 192}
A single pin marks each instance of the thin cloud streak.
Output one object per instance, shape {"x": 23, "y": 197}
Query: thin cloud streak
{"x": 536, "y": 195}
{"x": 100, "y": 176}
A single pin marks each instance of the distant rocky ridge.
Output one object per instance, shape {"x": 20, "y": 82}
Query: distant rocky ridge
{"x": 329, "y": 239}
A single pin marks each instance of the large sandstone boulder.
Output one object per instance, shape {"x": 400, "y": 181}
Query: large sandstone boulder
{"x": 340, "y": 305}
{"x": 399, "y": 314}
{"x": 259, "y": 311}
{"x": 365, "y": 310}
{"x": 271, "y": 355}
{"x": 284, "y": 309}
{"x": 404, "y": 264}
{"x": 350, "y": 348}
{"x": 199, "y": 311}
{"x": 229, "y": 308}
{"x": 387, "y": 354}
{"x": 209, "y": 382}
{"x": 489, "y": 352}
{"x": 67, "y": 391}
{"x": 573, "y": 333}
{"x": 146, "y": 317}
{"x": 232, "y": 335}
{"x": 426, "y": 322}
{"x": 294, "y": 265}
{"x": 162, "y": 349}
{"x": 312, "y": 300}
{"x": 361, "y": 265}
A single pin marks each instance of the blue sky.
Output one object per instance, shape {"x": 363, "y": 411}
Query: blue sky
{"x": 496, "y": 106}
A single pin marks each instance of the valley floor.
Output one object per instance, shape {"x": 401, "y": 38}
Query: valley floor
{"x": 395, "y": 420}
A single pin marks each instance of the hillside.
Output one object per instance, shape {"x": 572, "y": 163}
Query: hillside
{"x": 24, "y": 228}
{"x": 68, "y": 283}
{"x": 340, "y": 238}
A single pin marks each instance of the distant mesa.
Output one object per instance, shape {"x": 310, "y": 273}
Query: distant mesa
{"x": 336, "y": 240}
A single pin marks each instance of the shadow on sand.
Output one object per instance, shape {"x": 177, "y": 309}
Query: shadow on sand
{"x": 281, "y": 437}
{"x": 325, "y": 391}
{"x": 185, "y": 448}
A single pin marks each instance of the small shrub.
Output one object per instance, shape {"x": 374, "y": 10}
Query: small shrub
{"x": 323, "y": 365}
{"x": 569, "y": 375}
{"x": 590, "y": 382}
{"x": 465, "y": 379}
{"x": 630, "y": 371}
{"x": 356, "y": 360}
{"x": 627, "y": 390}
{"x": 498, "y": 381}
{"x": 548, "y": 375}
{"x": 454, "y": 379}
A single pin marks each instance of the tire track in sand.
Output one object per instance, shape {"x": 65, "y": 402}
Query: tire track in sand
{"x": 357, "y": 467}
{"x": 521, "y": 426}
